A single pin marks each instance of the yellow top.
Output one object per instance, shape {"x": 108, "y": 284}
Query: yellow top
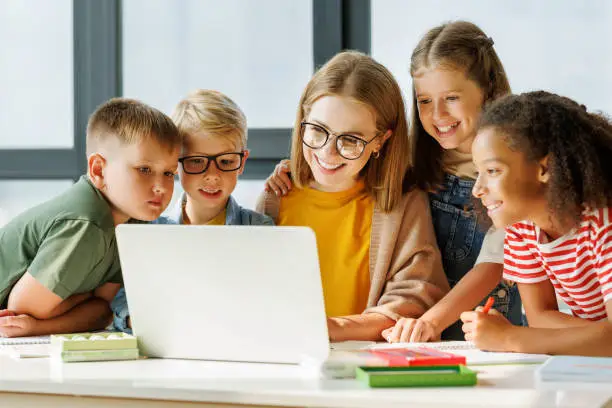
{"x": 219, "y": 219}
{"x": 342, "y": 223}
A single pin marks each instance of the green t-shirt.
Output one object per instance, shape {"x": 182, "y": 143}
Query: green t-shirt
{"x": 67, "y": 244}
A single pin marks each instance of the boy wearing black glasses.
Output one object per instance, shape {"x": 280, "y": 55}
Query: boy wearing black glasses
{"x": 213, "y": 156}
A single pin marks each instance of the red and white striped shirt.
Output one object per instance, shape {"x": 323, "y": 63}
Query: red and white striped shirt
{"x": 579, "y": 264}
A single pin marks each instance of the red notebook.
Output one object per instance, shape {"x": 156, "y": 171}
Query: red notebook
{"x": 417, "y": 356}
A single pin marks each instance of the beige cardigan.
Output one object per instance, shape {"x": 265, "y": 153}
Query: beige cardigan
{"x": 406, "y": 275}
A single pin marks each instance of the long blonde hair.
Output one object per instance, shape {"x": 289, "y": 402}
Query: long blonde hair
{"x": 459, "y": 45}
{"x": 357, "y": 76}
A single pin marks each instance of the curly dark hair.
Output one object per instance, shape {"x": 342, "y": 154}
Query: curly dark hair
{"x": 578, "y": 145}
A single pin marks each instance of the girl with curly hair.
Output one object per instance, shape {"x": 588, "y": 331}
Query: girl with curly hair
{"x": 545, "y": 173}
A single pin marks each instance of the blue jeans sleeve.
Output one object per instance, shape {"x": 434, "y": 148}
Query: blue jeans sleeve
{"x": 121, "y": 312}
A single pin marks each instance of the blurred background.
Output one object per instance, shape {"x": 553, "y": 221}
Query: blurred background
{"x": 59, "y": 59}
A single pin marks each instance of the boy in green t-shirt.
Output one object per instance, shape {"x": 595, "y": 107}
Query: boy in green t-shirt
{"x": 59, "y": 266}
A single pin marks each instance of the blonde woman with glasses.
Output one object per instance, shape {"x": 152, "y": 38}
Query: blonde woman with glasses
{"x": 377, "y": 249}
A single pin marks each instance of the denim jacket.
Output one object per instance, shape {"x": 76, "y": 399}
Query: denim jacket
{"x": 460, "y": 238}
{"x": 235, "y": 215}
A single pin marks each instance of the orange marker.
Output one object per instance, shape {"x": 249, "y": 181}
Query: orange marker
{"x": 488, "y": 305}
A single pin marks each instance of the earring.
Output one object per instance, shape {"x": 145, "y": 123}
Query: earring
{"x": 376, "y": 154}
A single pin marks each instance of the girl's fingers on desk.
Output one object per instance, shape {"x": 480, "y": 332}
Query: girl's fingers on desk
{"x": 423, "y": 331}
{"x": 409, "y": 326}
{"x": 395, "y": 332}
{"x": 418, "y": 332}
{"x": 386, "y": 333}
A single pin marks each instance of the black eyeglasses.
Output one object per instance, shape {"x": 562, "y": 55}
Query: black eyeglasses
{"x": 350, "y": 147}
{"x": 223, "y": 161}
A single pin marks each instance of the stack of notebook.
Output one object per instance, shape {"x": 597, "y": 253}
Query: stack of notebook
{"x": 400, "y": 367}
{"x": 414, "y": 367}
{"x": 102, "y": 346}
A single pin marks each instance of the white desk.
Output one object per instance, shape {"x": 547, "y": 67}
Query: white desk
{"x": 216, "y": 383}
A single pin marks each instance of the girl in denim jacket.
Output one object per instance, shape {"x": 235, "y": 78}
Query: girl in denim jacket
{"x": 455, "y": 72}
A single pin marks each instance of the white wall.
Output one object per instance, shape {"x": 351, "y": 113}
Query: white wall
{"x": 558, "y": 45}
{"x": 259, "y": 53}
{"x": 36, "y": 91}
{"x": 36, "y": 80}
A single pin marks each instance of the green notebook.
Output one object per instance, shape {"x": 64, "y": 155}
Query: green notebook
{"x": 102, "y": 346}
{"x": 429, "y": 376}
{"x": 93, "y": 341}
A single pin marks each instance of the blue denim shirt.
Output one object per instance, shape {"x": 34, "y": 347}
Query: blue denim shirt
{"x": 235, "y": 215}
{"x": 460, "y": 238}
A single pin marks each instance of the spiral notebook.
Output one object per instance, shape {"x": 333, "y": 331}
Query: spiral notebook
{"x": 25, "y": 347}
{"x": 473, "y": 355}
{"x": 14, "y": 341}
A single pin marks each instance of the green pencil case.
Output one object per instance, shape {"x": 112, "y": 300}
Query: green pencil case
{"x": 98, "y": 355}
{"x": 104, "y": 346}
{"x": 425, "y": 376}
{"x": 93, "y": 341}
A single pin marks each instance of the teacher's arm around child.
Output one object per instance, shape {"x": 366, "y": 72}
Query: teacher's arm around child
{"x": 377, "y": 250}
{"x": 545, "y": 174}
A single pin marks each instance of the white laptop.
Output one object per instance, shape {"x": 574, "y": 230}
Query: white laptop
{"x": 227, "y": 293}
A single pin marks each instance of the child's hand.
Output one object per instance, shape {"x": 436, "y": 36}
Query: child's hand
{"x": 6, "y": 312}
{"x": 333, "y": 328}
{"x": 410, "y": 330}
{"x": 12, "y": 325}
{"x": 279, "y": 181}
{"x": 487, "y": 331}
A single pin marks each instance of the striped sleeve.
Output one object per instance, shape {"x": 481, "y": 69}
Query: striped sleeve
{"x": 603, "y": 251}
{"x": 520, "y": 264}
